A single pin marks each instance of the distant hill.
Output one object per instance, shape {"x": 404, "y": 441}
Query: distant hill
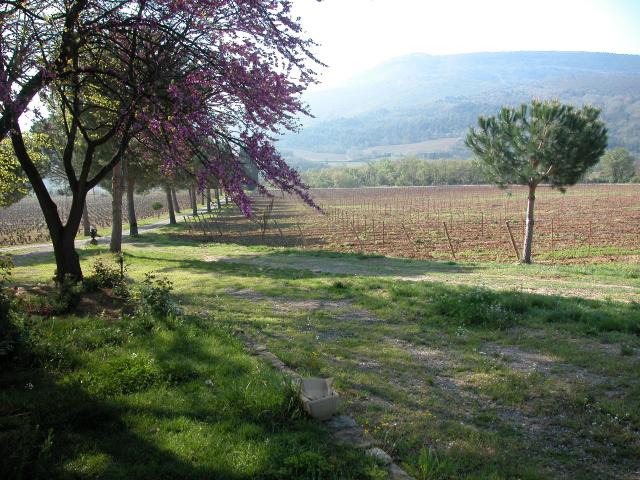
{"x": 404, "y": 104}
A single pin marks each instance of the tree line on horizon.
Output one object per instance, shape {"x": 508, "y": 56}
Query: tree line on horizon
{"x": 616, "y": 166}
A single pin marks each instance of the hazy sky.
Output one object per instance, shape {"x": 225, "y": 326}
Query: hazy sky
{"x": 357, "y": 34}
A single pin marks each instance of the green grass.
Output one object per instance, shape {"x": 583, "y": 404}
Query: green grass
{"x": 92, "y": 398}
{"x": 478, "y": 371}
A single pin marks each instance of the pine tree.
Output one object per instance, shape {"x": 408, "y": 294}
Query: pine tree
{"x": 546, "y": 142}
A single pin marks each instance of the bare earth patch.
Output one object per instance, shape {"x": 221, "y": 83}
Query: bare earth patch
{"x": 340, "y": 309}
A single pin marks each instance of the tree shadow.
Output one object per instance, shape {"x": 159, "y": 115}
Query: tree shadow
{"x": 53, "y": 425}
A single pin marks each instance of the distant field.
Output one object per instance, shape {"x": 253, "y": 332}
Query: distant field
{"x": 23, "y": 223}
{"x": 428, "y": 146}
{"x": 597, "y": 222}
{"x": 355, "y": 158}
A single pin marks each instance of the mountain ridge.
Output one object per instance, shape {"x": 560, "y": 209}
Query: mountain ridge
{"x": 419, "y": 97}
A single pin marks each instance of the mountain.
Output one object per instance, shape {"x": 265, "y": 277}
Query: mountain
{"x": 422, "y": 100}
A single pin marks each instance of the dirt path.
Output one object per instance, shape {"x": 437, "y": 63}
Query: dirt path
{"x": 25, "y": 251}
{"x": 457, "y": 274}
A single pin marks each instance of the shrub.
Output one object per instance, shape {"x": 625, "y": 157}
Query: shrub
{"x": 154, "y": 297}
{"x": 104, "y": 275}
{"x": 109, "y": 276}
{"x": 157, "y": 206}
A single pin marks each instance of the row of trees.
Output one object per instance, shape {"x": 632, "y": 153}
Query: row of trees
{"x": 616, "y": 166}
{"x": 195, "y": 88}
{"x": 397, "y": 173}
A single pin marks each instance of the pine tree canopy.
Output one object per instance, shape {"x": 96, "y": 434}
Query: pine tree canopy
{"x": 546, "y": 142}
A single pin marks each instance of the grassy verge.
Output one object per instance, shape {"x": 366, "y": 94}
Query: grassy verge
{"x": 471, "y": 373}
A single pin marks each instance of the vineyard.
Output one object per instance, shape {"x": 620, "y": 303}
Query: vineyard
{"x": 23, "y": 223}
{"x": 467, "y": 222}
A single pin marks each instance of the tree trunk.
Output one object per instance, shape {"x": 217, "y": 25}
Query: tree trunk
{"x": 131, "y": 205}
{"x": 176, "y": 205}
{"x": 208, "y": 200}
{"x": 86, "y": 224}
{"x": 64, "y": 249}
{"x": 115, "y": 245}
{"x": 217, "y": 192}
{"x": 194, "y": 200}
{"x": 528, "y": 235}
{"x": 172, "y": 213}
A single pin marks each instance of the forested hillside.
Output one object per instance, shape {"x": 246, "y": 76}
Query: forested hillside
{"x": 421, "y": 97}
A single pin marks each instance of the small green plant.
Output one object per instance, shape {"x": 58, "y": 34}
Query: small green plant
{"x": 154, "y": 297}
{"x": 157, "y": 206}
{"x": 432, "y": 467}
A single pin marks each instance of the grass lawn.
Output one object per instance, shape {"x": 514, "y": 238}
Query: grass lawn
{"x": 459, "y": 370}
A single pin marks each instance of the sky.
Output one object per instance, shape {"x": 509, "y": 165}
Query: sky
{"x": 359, "y": 34}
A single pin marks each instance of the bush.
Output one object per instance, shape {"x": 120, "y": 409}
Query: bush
{"x": 154, "y": 297}
{"x": 109, "y": 276}
{"x": 105, "y": 275}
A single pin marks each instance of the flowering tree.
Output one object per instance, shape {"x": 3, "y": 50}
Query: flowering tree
{"x": 205, "y": 79}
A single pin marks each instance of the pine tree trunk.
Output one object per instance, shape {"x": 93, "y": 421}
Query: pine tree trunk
{"x": 115, "y": 245}
{"x": 172, "y": 213}
{"x": 86, "y": 224}
{"x": 528, "y": 236}
{"x": 208, "y": 200}
{"x": 131, "y": 205}
{"x": 176, "y": 205}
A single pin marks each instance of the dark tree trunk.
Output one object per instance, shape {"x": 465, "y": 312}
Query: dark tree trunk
{"x": 528, "y": 234}
{"x": 172, "y": 213}
{"x": 62, "y": 236}
{"x": 217, "y": 192}
{"x": 115, "y": 245}
{"x": 86, "y": 224}
{"x": 131, "y": 204}
{"x": 67, "y": 260}
{"x": 226, "y": 199}
{"x": 208, "y": 200}
{"x": 176, "y": 205}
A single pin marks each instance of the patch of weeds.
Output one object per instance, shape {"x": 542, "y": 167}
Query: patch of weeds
{"x": 626, "y": 350}
{"x": 513, "y": 388}
{"x": 314, "y": 465}
{"x": 9, "y": 334}
{"x": 476, "y": 307}
{"x": 122, "y": 374}
{"x": 592, "y": 318}
{"x": 61, "y": 298}
{"x": 431, "y": 466}
{"x": 340, "y": 285}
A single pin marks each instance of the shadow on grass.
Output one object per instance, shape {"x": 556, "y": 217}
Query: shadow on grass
{"x": 86, "y": 398}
